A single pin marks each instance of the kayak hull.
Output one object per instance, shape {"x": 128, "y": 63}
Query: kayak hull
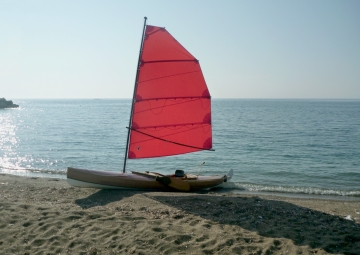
{"x": 114, "y": 180}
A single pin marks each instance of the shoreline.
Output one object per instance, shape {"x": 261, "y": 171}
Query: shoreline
{"x": 229, "y": 189}
{"x": 300, "y": 195}
{"x": 46, "y": 215}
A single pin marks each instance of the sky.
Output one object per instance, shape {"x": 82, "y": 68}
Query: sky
{"x": 246, "y": 49}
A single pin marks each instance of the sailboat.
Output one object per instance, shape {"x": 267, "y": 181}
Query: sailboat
{"x": 170, "y": 115}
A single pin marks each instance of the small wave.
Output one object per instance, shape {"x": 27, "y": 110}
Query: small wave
{"x": 290, "y": 190}
{"x": 33, "y": 172}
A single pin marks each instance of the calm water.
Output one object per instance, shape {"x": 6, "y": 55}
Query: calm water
{"x": 291, "y": 146}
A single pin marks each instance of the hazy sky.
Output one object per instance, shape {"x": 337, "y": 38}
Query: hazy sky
{"x": 247, "y": 49}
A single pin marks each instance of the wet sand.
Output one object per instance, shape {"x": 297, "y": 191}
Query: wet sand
{"x": 47, "y": 216}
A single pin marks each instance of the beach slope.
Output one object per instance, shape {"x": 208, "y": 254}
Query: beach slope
{"x": 47, "y": 216}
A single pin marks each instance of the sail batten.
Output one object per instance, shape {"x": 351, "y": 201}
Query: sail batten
{"x": 173, "y": 60}
{"x": 172, "y": 125}
{"x": 172, "y": 98}
{"x": 172, "y": 75}
{"x": 172, "y": 104}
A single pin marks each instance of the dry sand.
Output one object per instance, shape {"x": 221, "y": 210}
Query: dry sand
{"x": 47, "y": 216}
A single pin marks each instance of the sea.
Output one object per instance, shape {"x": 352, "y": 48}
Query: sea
{"x": 301, "y": 147}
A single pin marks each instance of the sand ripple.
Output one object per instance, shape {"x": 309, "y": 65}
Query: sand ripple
{"x": 46, "y": 216}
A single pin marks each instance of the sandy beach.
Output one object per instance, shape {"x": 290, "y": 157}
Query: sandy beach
{"x": 47, "y": 216}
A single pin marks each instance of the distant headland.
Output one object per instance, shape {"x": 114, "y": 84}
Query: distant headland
{"x": 7, "y": 104}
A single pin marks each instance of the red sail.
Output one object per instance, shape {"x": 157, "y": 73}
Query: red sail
{"x": 172, "y": 109}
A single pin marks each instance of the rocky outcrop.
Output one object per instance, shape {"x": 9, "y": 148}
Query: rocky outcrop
{"x": 7, "y": 104}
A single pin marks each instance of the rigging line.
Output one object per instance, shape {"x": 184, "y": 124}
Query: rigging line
{"x": 200, "y": 168}
{"x": 181, "y": 144}
{"x": 200, "y": 165}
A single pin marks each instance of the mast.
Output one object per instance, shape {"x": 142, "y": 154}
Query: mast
{"x": 133, "y": 99}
